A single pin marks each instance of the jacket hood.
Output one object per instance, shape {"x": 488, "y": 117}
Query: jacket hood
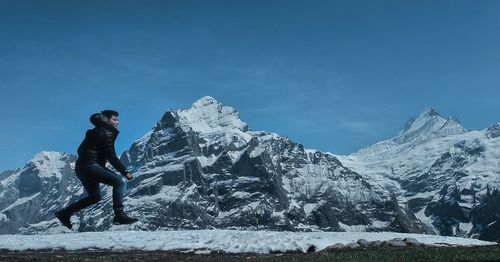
{"x": 100, "y": 120}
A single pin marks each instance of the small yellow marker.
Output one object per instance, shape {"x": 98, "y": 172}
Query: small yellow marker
{"x": 257, "y": 217}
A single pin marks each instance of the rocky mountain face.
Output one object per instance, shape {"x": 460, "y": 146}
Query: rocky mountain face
{"x": 6, "y": 173}
{"x": 446, "y": 175}
{"x": 31, "y": 194}
{"x": 203, "y": 167}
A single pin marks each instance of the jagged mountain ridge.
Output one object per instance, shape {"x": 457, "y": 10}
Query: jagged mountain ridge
{"x": 239, "y": 171}
{"x": 444, "y": 173}
{"x": 203, "y": 168}
{"x": 31, "y": 194}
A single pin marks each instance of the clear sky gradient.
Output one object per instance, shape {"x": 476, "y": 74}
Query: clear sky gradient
{"x": 332, "y": 75}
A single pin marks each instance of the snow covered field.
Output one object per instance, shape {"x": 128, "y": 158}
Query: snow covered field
{"x": 203, "y": 241}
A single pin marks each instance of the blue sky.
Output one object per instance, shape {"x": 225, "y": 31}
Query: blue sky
{"x": 332, "y": 75}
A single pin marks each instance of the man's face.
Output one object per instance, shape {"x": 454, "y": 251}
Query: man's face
{"x": 114, "y": 121}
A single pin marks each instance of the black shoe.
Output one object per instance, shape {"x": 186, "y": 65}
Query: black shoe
{"x": 123, "y": 219}
{"x": 64, "y": 218}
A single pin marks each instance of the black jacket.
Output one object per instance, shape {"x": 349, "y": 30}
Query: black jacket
{"x": 99, "y": 144}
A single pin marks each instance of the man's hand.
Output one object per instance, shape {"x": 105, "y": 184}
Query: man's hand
{"x": 129, "y": 176}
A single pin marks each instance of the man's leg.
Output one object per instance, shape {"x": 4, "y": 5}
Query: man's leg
{"x": 111, "y": 178}
{"x": 93, "y": 196}
{"x": 106, "y": 176}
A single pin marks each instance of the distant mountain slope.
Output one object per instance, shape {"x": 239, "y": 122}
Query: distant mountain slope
{"x": 444, "y": 173}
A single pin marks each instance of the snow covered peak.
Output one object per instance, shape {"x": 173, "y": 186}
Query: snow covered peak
{"x": 428, "y": 125}
{"x": 429, "y": 120}
{"x": 207, "y": 115}
{"x": 494, "y": 130}
{"x": 429, "y": 112}
{"x": 47, "y": 156}
{"x": 204, "y": 101}
{"x": 49, "y": 163}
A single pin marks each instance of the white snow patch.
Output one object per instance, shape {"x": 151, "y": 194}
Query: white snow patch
{"x": 189, "y": 192}
{"x": 308, "y": 208}
{"x": 423, "y": 195}
{"x": 467, "y": 227}
{"x": 235, "y": 155}
{"x": 379, "y": 224}
{"x": 207, "y": 161}
{"x": 21, "y": 201}
{"x": 224, "y": 214}
{"x": 166, "y": 194}
{"x": 10, "y": 179}
{"x": 352, "y": 228}
{"x": 257, "y": 151}
{"x": 241, "y": 195}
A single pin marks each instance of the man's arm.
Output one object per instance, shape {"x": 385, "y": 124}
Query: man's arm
{"x": 110, "y": 153}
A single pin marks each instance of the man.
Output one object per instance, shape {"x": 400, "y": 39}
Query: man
{"x": 97, "y": 148}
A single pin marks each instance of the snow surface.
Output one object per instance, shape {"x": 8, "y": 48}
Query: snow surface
{"x": 202, "y": 241}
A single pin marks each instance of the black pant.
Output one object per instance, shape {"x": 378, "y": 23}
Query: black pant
{"x": 91, "y": 176}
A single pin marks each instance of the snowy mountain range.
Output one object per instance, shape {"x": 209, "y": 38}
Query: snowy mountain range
{"x": 203, "y": 168}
